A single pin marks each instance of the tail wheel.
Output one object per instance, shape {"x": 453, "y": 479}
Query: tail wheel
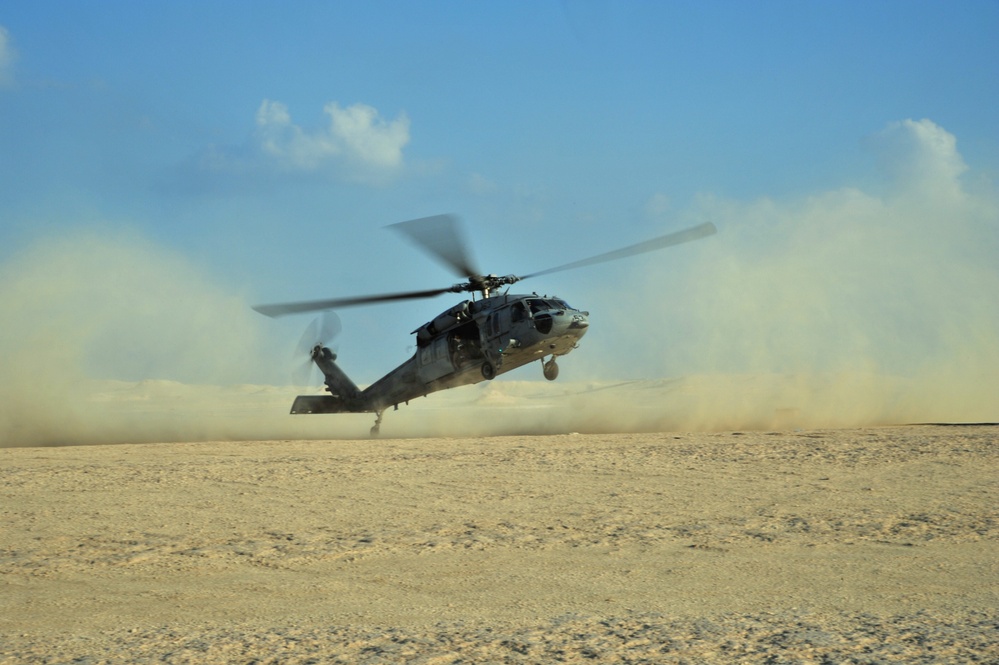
{"x": 377, "y": 427}
{"x": 550, "y": 369}
{"x": 488, "y": 371}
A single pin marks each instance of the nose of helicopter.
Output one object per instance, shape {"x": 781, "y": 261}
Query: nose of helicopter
{"x": 579, "y": 322}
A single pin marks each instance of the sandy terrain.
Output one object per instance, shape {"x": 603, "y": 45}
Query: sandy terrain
{"x": 854, "y": 545}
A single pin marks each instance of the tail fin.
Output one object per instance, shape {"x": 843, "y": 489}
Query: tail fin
{"x": 344, "y": 397}
{"x": 337, "y": 382}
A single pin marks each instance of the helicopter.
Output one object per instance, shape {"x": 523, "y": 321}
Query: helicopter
{"x": 481, "y": 337}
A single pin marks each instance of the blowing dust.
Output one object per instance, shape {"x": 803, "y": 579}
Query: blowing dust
{"x": 844, "y": 308}
{"x": 847, "y": 308}
{"x": 90, "y": 314}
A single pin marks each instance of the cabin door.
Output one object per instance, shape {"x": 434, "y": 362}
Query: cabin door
{"x": 434, "y": 360}
{"x": 496, "y": 333}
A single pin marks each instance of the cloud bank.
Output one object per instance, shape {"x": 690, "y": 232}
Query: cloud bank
{"x": 358, "y": 145}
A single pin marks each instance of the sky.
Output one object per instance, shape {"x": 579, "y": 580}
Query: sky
{"x": 164, "y": 166}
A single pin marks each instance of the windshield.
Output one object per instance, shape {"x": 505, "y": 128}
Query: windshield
{"x": 544, "y": 304}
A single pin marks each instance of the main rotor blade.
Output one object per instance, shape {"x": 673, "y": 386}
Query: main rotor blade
{"x": 441, "y": 237}
{"x": 668, "y": 240}
{"x": 281, "y": 309}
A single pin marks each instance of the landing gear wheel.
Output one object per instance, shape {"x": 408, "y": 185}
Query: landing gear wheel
{"x": 376, "y": 428}
{"x": 488, "y": 371}
{"x": 550, "y": 369}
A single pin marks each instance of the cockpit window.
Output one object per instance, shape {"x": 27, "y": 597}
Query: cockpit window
{"x": 517, "y": 312}
{"x": 544, "y": 304}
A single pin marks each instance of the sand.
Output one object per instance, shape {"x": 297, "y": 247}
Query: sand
{"x": 868, "y": 545}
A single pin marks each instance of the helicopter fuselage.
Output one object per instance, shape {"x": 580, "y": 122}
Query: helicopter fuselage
{"x": 476, "y": 340}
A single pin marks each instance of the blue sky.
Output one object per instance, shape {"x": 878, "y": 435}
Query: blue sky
{"x": 251, "y": 152}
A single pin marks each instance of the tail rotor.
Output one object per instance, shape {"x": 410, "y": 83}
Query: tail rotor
{"x": 320, "y": 333}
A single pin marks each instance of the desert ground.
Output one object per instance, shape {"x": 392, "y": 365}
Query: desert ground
{"x": 822, "y": 545}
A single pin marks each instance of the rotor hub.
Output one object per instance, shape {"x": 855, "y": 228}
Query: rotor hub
{"x": 484, "y": 284}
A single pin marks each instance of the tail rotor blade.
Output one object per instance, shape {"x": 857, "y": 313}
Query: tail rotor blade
{"x": 329, "y": 327}
{"x": 304, "y": 373}
{"x": 308, "y": 339}
{"x": 320, "y": 332}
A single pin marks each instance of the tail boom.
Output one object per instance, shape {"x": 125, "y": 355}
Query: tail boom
{"x": 344, "y": 395}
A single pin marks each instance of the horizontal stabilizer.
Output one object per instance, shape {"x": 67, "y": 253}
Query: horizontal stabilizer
{"x": 317, "y": 404}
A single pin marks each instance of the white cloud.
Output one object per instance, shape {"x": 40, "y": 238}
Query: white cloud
{"x": 920, "y": 156}
{"x": 357, "y": 145}
{"x": 358, "y": 142}
{"x": 287, "y": 144}
{"x": 366, "y": 136}
{"x": 7, "y": 57}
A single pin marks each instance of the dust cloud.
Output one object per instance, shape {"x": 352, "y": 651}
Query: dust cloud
{"x": 89, "y": 312}
{"x": 845, "y": 308}
{"x": 852, "y": 307}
